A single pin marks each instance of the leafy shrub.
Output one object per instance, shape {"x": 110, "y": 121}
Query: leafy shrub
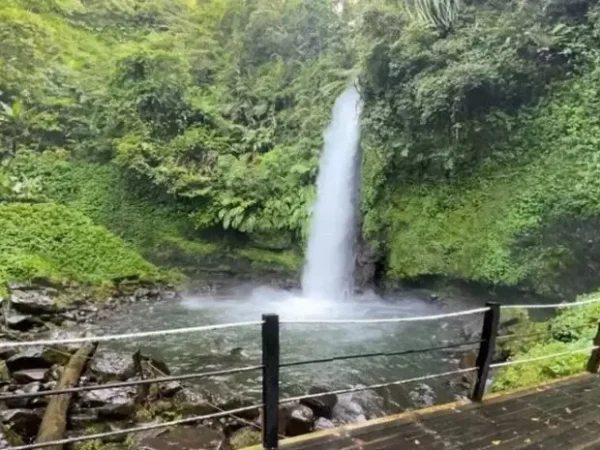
{"x": 58, "y": 243}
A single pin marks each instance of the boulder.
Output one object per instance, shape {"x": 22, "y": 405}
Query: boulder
{"x": 170, "y": 389}
{"x": 21, "y": 322}
{"x": 300, "y": 420}
{"x": 321, "y": 406}
{"x": 223, "y": 401}
{"x": 245, "y": 437}
{"x": 113, "y": 403}
{"x": 8, "y": 438}
{"x": 192, "y": 403}
{"x": 29, "y": 375}
{"x": 366, "y": 261}
{"x": 422, "y": 396}
{"x": 108, "y": 365}
{"x": 371, "y": 403}
{"x": 82, "y": 419}
{"x": 30, "y": 358}
{"x": 347, "y": 411}
{"x": 6, "y": 352}
{"x": 24, "y": 422}
{"x": 63, "y": 351}
{"x": 32, "y": 402}
{"x": 188, "y": 438}
{"x": 323, "y": 424}
{"x": 33, "y": 302}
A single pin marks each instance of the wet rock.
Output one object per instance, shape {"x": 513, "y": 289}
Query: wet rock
{"x": 82, "y": 419}
{"x": 365, "y": 264}
{"x": 22, "y": 322}
{"x": 32, "y": 402}
{"x": 24, "y": 422}
{"x": 33, "y": 302}
{"x": 117, "y": 403}
{"x": 108, "y": 365}
{"x": 189, "y": 438}
{"x": 30, "y": 358}
{"x": 245, "y": 437}
{"x": 321, "y": 406}
{"x": 56, "y": 335}
{"x": 372, "y": 404}
{"x": 300, "y": 420}
{"x": 29, "y": 375}
{"x": 323, "y": 424}
{"x": 422, "y": 396}
{"x": 225, "y": 401}
{"x": 347, "y": 411}
{"x": 170, "y": 389}
{"x": 4, "y": 373}
{"x": 8, "y": 438}
{"x": 6, "y": 353}
{"x": 191, "y": 403}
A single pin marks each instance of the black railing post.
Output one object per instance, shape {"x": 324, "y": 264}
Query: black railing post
{"x": 270, "y": 360}
{"x": 594, "y": 361}
{"x": 486, "y": 349}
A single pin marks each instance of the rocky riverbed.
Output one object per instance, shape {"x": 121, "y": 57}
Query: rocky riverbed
{"x": 50, "y": 312}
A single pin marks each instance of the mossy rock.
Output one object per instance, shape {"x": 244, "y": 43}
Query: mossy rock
{"x": 245, "y": 437}
{"x": 10, "y": 436}
{"x": 4, "y": 373}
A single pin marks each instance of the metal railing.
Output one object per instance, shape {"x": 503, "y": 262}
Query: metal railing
{"x": 271, "y": 365}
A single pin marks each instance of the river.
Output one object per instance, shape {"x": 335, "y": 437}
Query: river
{"x": 236, "y": 347}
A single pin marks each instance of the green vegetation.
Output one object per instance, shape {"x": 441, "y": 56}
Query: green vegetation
{"x": 191, "y": 130}
{"x": 59, "y": 244}
{"x": 480, "y": 141}
{"x": 572, "y": 329}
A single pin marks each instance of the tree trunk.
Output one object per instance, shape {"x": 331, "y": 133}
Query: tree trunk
{"x": 54, "y": 421}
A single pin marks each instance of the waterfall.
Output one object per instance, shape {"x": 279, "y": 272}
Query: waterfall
{"x": 328, "y": 273}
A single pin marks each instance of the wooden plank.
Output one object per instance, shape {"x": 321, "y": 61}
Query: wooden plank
{"x": 563, "y": 415}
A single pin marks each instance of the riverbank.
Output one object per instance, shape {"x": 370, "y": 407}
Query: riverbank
{"x": 32, "y": 370}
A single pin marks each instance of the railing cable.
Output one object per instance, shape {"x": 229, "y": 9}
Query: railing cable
{"x": 541, "y": 358}
{"x": 548, "y": 332}
{"x": 554, "y": 305}
{"x": 117, "y": 337}
{"x": 100, "y": 387}
{"x": 393, "y": 320}
{"x": 370, "y": 355}
{"x": 377, "y": 386}
{"x": 155, "y": 426}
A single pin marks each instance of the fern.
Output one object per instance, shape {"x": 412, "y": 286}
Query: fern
{"x": 440, "y": 14}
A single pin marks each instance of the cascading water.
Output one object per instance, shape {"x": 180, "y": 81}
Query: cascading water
{"x": 328, "y": 273}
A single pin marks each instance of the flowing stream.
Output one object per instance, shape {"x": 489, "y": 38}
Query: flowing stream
{"x": 237, "y": 347}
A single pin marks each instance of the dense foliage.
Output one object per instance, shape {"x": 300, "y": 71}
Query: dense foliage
{"x": 573, "y": 329}
{"x": 57, "y": 244}
{"x": 192, "y": 128}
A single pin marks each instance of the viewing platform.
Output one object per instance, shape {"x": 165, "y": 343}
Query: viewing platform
{"x": 561, "y": 415}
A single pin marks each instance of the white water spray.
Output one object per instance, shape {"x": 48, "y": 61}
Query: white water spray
{"x": 328, "y": 273}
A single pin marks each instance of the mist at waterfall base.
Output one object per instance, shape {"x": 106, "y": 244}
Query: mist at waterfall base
{"x": 326, "y": 293}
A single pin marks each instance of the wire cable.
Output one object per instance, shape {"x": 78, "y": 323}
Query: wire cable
{"x": 393, "y": 320}
{"x": 155, "y": 426}
{"x": 554, "y": 305}
{"x": 100, "y": 387}
{"x": 370, "y": 355}
{"x": 540, "y": 358}
{"x": 117, "y": 337}
{"x": 377, "y": 386}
